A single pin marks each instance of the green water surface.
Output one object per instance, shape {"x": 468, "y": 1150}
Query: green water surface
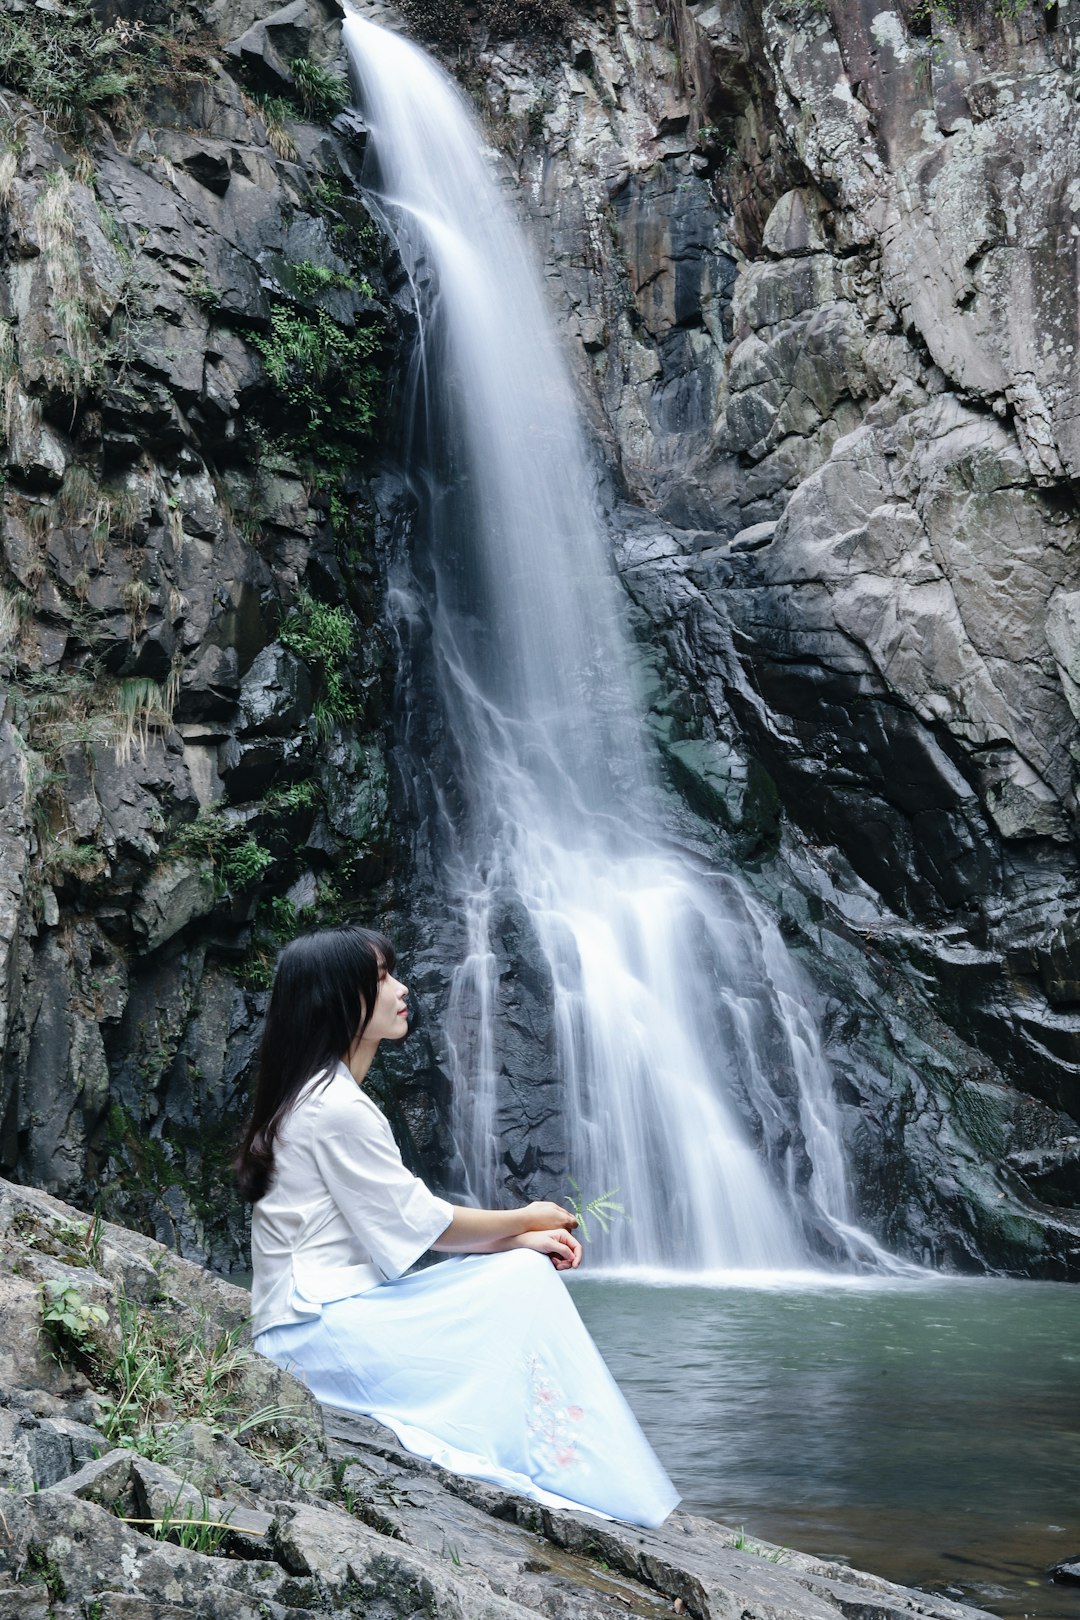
{"x": 928, "y": 1431}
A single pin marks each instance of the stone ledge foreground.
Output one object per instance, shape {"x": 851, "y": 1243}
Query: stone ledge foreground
{"x": 337, "y": 1520}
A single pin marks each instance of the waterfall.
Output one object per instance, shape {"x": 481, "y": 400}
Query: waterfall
{"x": 689, "y": 1071}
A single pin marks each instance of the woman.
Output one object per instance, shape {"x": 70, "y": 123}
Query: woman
{"x": 481, "y": 1364}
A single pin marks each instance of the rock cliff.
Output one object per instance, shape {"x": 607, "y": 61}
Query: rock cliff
{"x": 195, "y": 336}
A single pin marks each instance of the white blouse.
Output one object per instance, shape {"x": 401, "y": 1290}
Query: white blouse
{"x": 342, "y": 1212}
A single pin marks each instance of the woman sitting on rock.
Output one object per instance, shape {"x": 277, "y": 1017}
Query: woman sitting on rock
{"x": 480, "y": 1364}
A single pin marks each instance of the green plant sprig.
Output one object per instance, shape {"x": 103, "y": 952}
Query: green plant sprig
{"x": 603, "y": 1209}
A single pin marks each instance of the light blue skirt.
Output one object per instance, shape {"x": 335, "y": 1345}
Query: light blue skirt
{"x": 482, "y": 1365}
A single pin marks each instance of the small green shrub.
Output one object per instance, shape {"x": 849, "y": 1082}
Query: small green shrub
{"x": 235, "y": 859}
{"x": 316, "y": 632}
{"x": 201, "y": 293}
{"x": 323, "y": 372}
{"x": 187, "y": 1367}
{"x": 297, "y": 796}
{"x": 72, "y": 67}
{"x": 204, "y": 839}
{"x": 312, "y": 279}
{"x": 197, "y": 1533}
{"x": 274, "y": 111}
{"x": 333, "y": 190}
{"x": 276, "y": 922}
{"x": 77, "y": 1243}
{"x": 324, "y": 638}
{"x": 68, "y": 1316}
{"x": 354, "y": 231}
{"x": 41, "y": 1567}
{"x": 245, "y": 864}
{"x": 61, "y": 858}
{"x": 64, "y": 62}
{"x": 322, "y": 95}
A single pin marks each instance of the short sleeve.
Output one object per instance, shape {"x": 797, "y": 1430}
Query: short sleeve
{"x": 389, "y": 1209}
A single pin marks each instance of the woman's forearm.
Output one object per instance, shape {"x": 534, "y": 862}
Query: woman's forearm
{"x": 480, "y": 1231}
{"x": 486, "y": 1231}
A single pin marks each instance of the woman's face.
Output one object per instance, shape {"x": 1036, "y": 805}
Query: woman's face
{"x": 389, "y": 1021}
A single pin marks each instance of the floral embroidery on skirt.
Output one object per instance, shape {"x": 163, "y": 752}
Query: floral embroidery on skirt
{"x": 551, "y": 1418}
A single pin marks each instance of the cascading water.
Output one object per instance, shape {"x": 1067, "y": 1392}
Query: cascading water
{"x": 689, "y": 1070}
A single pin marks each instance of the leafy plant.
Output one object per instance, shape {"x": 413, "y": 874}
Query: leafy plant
{"x": 236, "y": 861}
{"x": 311, "y": 279}
{"x": 741, "y": 1542}
{"x": 355, "y": 232}
{"x": 69, "y": 1317}
{"x": 60, "y": 858}
{"x": 66, "y": 61}
{"x": 324, "y": 372}
{"x": 78, "y": 1243}
{"x": 140, "y": 704}
{"x": 246, "y": 864}
{"x": 323, "y": 637}
{"x": 41, "y": 1567}
{"x": 201, "y": 293}
{"x": 203, "y": 1534}
{"x": 274, "y": 110}
{"x": 297, "y": 796}
{"x": 602, "y": 1209}
{"x": 317, "y": 632}
{"x": 164, "y": 1374}
{"x": 322, "y": 95}
{"x": 206, "y": 838}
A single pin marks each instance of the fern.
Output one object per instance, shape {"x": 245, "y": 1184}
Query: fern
{"x": 603, "y": 1209}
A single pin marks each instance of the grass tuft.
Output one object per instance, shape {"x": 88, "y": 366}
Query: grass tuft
{"x": 322, "y": 95}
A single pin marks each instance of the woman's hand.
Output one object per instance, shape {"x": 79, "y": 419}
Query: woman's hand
{"x": 561, "y": 1246}
{"x": 545, "y": 1217}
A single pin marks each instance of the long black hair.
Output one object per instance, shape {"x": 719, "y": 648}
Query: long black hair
{"x": 325, "y": 986}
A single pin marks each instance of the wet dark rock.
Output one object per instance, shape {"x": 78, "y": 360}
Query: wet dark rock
{"x": 276, "y": 695}
{"x": 268, "y": 46}
{"x": 530, "y": 1116}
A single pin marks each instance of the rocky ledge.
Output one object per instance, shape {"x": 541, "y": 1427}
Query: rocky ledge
{"x": 154, "y": 1465}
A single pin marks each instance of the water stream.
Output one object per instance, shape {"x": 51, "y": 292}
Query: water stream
{"x": 690, "y": 1072}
